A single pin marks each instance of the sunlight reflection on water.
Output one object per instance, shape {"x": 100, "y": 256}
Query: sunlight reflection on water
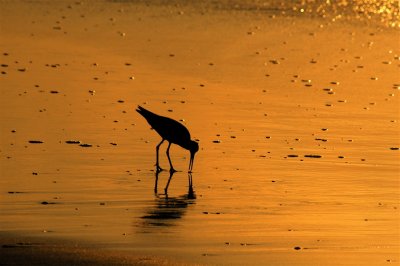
{"x": 384, "y": 11}
{"x": 381, "y": 12}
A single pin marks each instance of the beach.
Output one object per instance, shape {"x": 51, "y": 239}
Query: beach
{"x": 296, "y": 115}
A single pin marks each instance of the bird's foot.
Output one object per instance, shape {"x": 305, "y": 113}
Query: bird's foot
{"x": 172, "y": 170}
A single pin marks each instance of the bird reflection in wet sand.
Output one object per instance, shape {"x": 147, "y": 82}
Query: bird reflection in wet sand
{"x": 173, "y": 132}
{"x": 167, "y": 209}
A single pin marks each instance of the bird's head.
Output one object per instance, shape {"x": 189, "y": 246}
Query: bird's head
{"x": 193, "y": 147}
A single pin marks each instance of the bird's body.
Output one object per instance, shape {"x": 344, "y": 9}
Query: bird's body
{"x": 167, "y": 128}
{"x": 172, "y": 131}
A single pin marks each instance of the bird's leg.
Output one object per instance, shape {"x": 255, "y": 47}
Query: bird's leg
{"x": 172, "y": 170}
{"x": 159, "y": 169}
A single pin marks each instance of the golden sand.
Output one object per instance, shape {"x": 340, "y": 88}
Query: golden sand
{"x": 296, "y": 117}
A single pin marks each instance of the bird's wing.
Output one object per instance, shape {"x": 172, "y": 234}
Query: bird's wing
{"x": 168, "y": 128}
{"x": 172, "y": 130}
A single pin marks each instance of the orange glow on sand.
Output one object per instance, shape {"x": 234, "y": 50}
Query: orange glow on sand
{"x": 296, "y": 115}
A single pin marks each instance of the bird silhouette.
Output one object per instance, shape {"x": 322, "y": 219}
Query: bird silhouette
{"x": 171, "y": 131}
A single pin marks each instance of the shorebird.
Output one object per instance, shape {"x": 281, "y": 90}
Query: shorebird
{"x": 171, "y": 131}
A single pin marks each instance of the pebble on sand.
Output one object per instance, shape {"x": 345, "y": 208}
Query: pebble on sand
{"x": 73, "y": 141}
{"x": 86, "y": 145}
{"x": 312, "y": 156}
{"x": 46, "y": 203}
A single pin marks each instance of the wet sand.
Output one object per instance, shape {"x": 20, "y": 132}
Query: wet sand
{"x": 296, "y": 117}
{"x": 40, "y": 251}
{"x": 57, "y": 255}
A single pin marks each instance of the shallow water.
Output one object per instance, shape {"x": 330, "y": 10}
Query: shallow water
{"x": 295, "y": 166}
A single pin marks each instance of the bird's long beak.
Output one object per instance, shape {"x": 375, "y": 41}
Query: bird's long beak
{"x": 191, "y": 161}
